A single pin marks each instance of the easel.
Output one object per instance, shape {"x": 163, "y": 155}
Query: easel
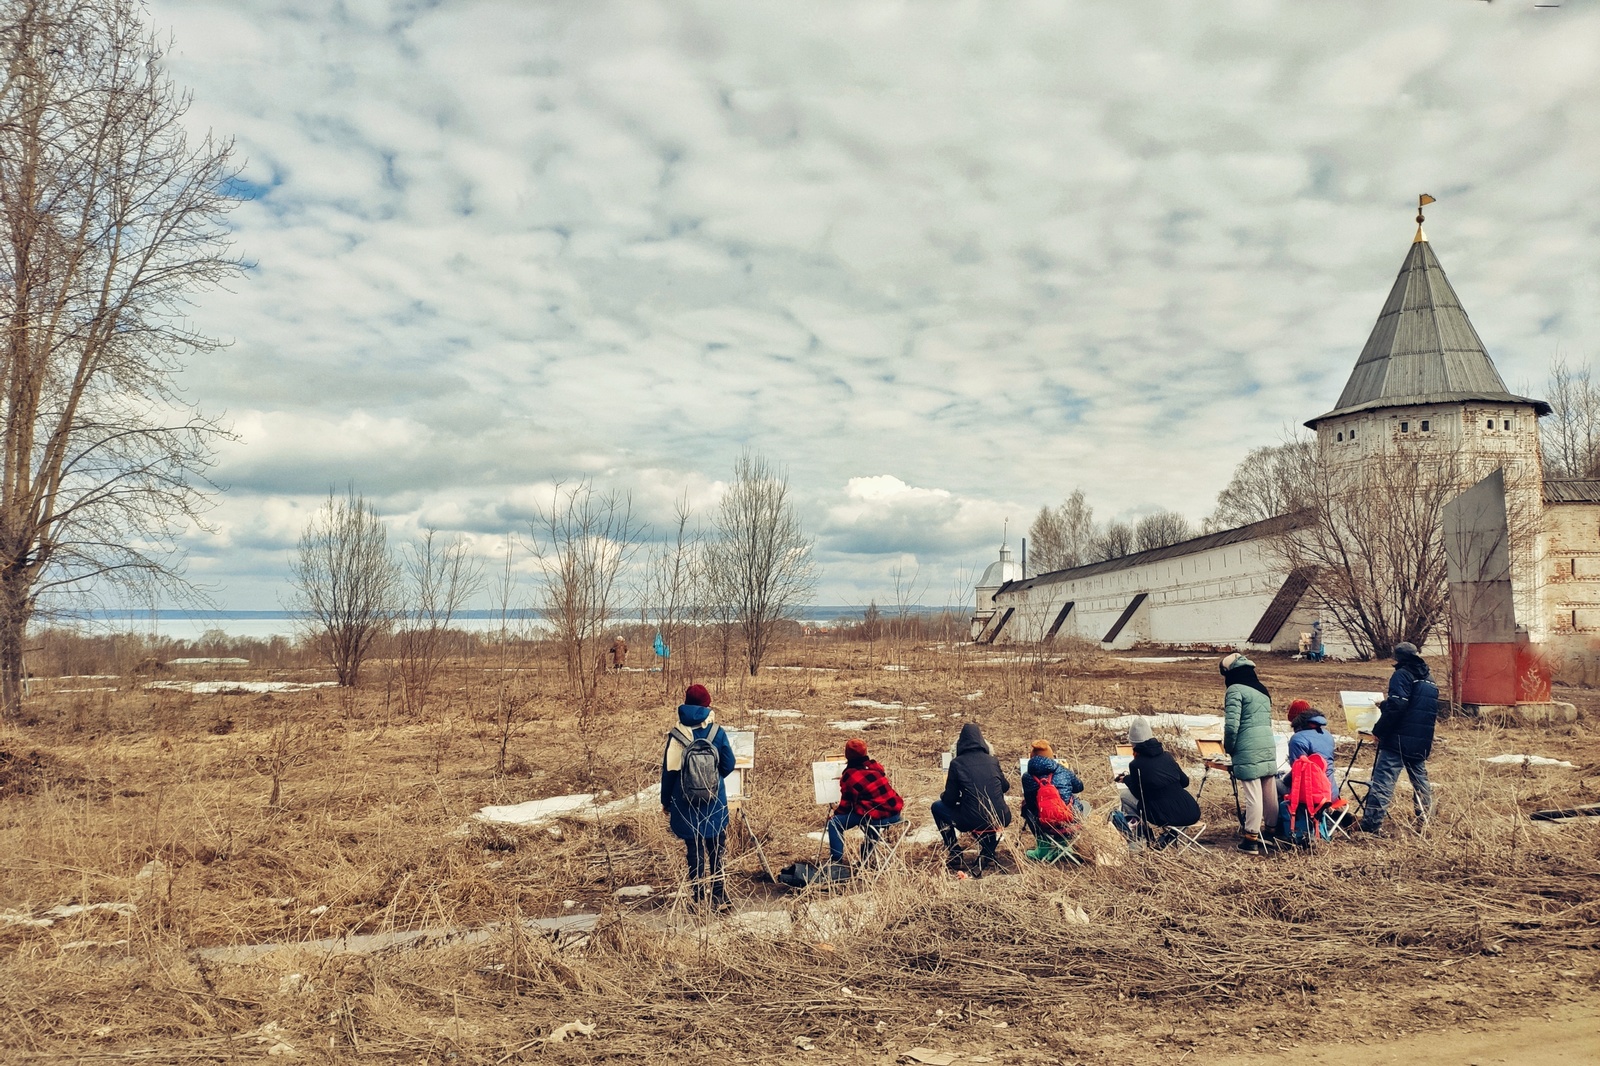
{"x": 1360, "y": 714}
{"x": 1213, "y": 757}
{"x": 744, "y": 761}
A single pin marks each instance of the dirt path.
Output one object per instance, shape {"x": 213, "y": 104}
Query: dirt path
{"x": 1569, "y": 1036}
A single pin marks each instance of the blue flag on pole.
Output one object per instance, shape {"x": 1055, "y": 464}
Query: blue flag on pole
{"x": 661, "y": 647}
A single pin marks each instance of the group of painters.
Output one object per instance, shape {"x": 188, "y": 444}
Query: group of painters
{"x": 1155, "y": 802}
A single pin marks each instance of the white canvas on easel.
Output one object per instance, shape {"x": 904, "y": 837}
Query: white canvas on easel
{"x": 744, "y": 758}
{"x": 1361, "y": 710}
{"x": 825, "y": 780}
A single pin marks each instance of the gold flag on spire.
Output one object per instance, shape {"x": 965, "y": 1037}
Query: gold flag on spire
{"x": 1422, "y": 201}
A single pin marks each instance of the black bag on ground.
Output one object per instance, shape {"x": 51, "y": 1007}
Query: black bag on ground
{"x": 805, "y": 874}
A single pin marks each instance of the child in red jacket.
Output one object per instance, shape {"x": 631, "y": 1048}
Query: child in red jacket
{"x": 866, "y": 799}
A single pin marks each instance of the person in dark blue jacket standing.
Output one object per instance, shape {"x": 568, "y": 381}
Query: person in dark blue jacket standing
{"x": 1405, "y": 737}
{"x": 702, "y": 825}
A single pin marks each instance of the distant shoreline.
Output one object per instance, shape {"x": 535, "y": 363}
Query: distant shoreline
{"x": 182, "y": 624}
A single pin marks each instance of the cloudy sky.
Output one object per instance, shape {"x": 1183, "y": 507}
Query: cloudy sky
{"x": 945, "y": 261}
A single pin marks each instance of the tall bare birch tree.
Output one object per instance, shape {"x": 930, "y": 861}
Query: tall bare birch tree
{"x": 584, "y": 541}
{"x": 110, "y": 219}
{"x": 761, "y": 556}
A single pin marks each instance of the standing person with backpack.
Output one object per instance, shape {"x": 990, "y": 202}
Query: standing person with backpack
{"x": 866, "y": 799}
{"x": 1247, "y": 737}
{"x": 1405, "y": 738}
{"x": 1050, "y": 808}
{"x": 697, "y": 758}
{"x": 974, "y": 799}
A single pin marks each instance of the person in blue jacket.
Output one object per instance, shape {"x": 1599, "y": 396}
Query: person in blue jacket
{"x": 1405, "y": 738}
{"x": 703, "y": 828}
{"x": 1042, "y": 763}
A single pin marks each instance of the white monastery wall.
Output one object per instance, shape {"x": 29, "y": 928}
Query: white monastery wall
{"x": 1213, "y": 596}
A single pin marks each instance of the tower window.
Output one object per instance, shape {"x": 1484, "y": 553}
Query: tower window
{"x": 1507, "y": 424}
{"x": 1352, "y": 432}
{"x": 1405, "y": 427}
{"x": 1424, "y": 425}
{"x": 1488, "y": 423}
{"x": 1338, "y": 436}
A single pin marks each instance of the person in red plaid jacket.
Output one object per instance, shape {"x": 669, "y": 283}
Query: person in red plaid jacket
{"x": 866, "y": 799}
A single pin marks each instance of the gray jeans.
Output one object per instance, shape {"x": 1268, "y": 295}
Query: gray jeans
{"x": 1385, "y": 775}
{"x": 1259, "y": 798}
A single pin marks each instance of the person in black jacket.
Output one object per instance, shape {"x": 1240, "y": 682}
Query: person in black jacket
{"x": 1405, "y": 738}
{"x": 974, "y": 798}
{"x": 1155, "y": 788}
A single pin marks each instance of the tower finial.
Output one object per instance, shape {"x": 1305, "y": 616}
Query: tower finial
{"x": 1422, "y": 201}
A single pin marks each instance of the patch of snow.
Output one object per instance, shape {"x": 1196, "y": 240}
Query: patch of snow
{"x": 974, "y": 695}
{"x": 227, "y": 688}
{"x": 923, "y": 834}
{"x": 1528, "y": 760}
{"x": 1087, "y": 709}
{"x": 544, "y": 811}
{"x": 876, "y": 706}
{"x": 1162, "y": 721}
{"x": 1157, "y": 658}
{"x": 635, "y": 892}
{"x": 777, "y": 713}
{"x": 855, "y": 725}
{"x": 895, "y": 667}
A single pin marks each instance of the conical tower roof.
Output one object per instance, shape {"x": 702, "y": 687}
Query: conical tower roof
{"x": 1423, "y": 348}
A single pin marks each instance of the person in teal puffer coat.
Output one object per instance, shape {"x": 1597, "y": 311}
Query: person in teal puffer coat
{"x": 1247, "y": 737}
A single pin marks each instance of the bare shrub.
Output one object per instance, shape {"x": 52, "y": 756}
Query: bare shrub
{"x": 346, "y": 584}
{"x": 440, "y": 577}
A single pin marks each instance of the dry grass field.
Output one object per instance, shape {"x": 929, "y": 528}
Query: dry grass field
{"x": 146, "y": 820}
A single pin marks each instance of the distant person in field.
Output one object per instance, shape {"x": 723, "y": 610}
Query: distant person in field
{"x": 619, "y": 653}
{"x": 1154, "y": 790}
{"x": 1247, "y": 737}
{"x": 974, "y": 799}
{"x": 1051, "y": 808}
{"x": 1405, "y": 737}
{"x": 697, "y": 758}
{"x": 866, "y": 799}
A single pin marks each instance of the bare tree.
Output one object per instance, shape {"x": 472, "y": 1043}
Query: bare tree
{"x": 762, "y": 559}
{"x": 583, "y": 542}
{"x": 1161, "y": 529}
{"x": 1571, "y": 434}
{"x": 346, "y": 585}
{"x": 1115, "y": 541}
{"x": 511, "y": 693}
{"x": 1047, "y": 541}
{"x": 1266, "y": 484}
{"x": 675, "y": 584}
{"x": 1372, "y": 542}
{"x": 1064, "y": 536}
{"x": 110, "y": 219}
{"x": 440, "y": 577}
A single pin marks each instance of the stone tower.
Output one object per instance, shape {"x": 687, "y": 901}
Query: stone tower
{"x": 1425, "y": 385}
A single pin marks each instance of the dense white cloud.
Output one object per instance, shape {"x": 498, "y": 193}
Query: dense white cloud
{"x": 944, "y": 260}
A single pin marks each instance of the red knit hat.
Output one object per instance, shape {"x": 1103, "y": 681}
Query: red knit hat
{"x": 855, "y": 750}
{"x": 697, "y": 695}
{"x": 1298, "y": 707}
